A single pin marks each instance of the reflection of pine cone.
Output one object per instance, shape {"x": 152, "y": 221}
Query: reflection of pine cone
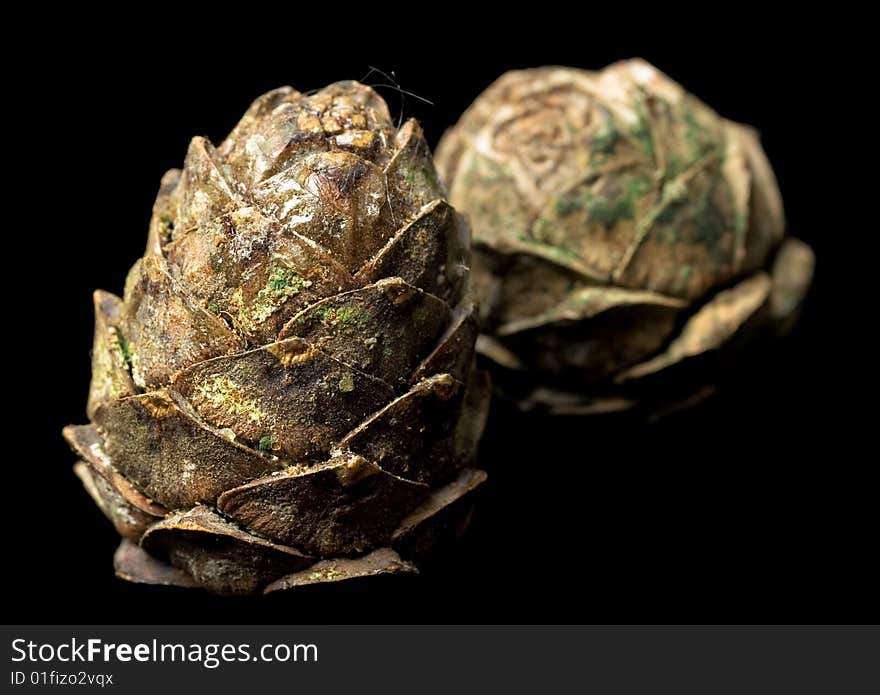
{"x": 621, "y": 229}
{"x": 279, "y": 397}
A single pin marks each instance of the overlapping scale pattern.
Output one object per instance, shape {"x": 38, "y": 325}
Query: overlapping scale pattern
{"x": 289, "y": 375}
{"x": 622, "y": 230}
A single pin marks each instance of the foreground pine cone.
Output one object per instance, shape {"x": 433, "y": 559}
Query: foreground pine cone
{"x": 626, "y": 236}
{"x": 286, "y": 393}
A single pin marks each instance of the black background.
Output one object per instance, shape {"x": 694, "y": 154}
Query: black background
{"x": 753, "y": 508}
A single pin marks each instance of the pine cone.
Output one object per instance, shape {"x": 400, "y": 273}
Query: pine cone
{"x": 625, "y": 235}
{"x": 286, "y": 393}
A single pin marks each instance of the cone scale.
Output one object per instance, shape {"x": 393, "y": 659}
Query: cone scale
{"x": 627, "y": 239}
{"x": 286, "y": 394}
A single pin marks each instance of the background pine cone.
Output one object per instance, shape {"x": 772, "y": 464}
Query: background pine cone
{"x": 625, "y": 235}
{"x": 286, "y": 389}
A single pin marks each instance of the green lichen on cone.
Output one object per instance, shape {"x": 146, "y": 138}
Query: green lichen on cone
{"x": 620, "y": 228}
{"x": 289, "y": 375}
